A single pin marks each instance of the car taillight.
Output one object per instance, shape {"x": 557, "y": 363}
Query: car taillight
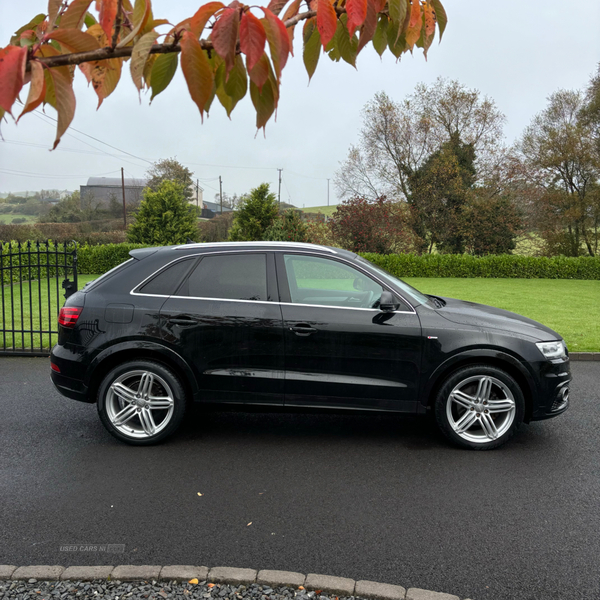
{"x": 68, "y": 315}
{"x": 54, "y": 367}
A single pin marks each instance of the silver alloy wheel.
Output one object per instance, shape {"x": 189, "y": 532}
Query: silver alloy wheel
{"x": 139, "y": 404}
{"x": 480, "y": 409}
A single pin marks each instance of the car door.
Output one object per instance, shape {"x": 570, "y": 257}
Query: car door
{"x": 340, "y": 349}
{"x": 226, "y": 322}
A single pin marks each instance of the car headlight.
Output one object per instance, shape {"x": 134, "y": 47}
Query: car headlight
{"x": 556, "y": 349}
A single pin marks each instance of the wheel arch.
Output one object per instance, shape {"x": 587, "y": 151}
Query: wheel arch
{"x": 501, "y": 360}
{"x": 124, "y": 352}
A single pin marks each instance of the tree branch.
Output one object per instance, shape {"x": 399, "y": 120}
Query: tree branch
{"x": 77, "y": 58}
{"x": 117, "y": 24}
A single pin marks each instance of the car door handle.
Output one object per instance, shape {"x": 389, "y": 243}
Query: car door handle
{"x": 183, "y": 321}
{"x": 302, "y": 329}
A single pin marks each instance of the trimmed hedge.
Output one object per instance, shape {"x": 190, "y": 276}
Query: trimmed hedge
{"x": 33, "y": 260}
{"x": 497, "y": 266}
{"x": 95, "y": 260}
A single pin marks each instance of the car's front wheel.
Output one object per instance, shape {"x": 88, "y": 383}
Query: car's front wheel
{"x": 141, "y": 402}
{"x": 479, "y": 407}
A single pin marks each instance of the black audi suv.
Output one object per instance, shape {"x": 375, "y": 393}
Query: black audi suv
{"x": 291, "y": 325}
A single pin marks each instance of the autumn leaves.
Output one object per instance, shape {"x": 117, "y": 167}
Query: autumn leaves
{"x": 244, "y": 47}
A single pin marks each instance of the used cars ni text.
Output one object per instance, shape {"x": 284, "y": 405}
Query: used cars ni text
{"x": 290, "y": 325}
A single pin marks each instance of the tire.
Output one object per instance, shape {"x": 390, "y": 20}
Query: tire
{"x": 141, "y": 402}
{"x": 479, "y": 407}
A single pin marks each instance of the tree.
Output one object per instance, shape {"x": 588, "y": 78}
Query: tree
{"x": 170, "y": 169}
{"x": 438, "y": 191}
{"x": 590, "y": 113}
{"x": 490, "y": 225}
{"x": 288, "y": 227}
{"x": 228, "y": 201}
{"x": 68, "y": 210}
{"x": 561, "y": 163}
{"x": 398, "y": 138}
{"x": 165, "y": 217}
{"x": 256, "y": 213}
{"x": 380, "y": 226}
{"x": 48, "y": 46}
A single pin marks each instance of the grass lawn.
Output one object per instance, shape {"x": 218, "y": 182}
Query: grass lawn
{"x": 326, "y": 210}
{"x": 569, "y": 306}
{"x": 32, "y": 320}
{"x": 7, "y": 219}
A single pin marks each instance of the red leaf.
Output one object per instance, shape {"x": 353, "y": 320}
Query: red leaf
{"x": 252, "y": 39}
{"x": 326, "y": 21}
{"x": 12, "y": 69}
{"x": 224, "y": 36}
{"x": 108, "y": 14}
{"x": 37, "y": 89}
{"x": 196, "y": 70}
{"x": 369, "y": 26}
{"x": 357, "y": 13}
{"x": 260, "y": 73}
{"x": 74, "y": 15}
{"x": 204, "y": 13}
{"x": 379, "y": 5}
{"x": 279, "y": 42}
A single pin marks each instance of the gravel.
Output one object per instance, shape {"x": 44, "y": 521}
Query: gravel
{"x": 150, "y": 590}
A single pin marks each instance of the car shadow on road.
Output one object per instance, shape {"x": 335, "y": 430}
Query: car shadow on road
{"x": 410, "y": 431}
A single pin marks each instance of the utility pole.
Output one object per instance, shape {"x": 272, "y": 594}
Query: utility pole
{"x": 327, "y": 192}
{"x": 279, "y": 192}
{"x": 221, "y": 193}
{"x": 197, "y": 186}
{"x": 123, "y": 189}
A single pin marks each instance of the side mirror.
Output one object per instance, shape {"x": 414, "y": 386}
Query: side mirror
{"x": 387, "y": 302}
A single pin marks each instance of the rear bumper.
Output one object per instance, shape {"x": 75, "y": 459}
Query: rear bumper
{"x": 69, "y": 364}
{"x": 71, "y": 388}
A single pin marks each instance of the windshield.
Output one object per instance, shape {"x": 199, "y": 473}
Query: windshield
{"x": 411, "y": 293}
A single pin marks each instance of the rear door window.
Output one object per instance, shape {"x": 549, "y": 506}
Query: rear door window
{"x": 228, "y": 277}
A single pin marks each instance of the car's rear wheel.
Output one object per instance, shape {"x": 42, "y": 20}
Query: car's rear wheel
{"x": 479, "y": 407}
{"x": 141, "y": 402}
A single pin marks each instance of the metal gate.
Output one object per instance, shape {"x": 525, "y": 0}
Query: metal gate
{"x": 32, "y": 277}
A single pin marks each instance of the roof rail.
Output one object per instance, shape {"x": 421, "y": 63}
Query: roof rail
{"x": 246, "y": 244}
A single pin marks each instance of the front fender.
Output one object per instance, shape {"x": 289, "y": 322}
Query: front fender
{"x": 472, "y": 356}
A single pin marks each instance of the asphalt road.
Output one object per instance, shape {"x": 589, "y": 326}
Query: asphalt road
{"x": 377, "y": 497}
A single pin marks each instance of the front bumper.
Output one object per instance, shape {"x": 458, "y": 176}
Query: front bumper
{"x": 554, "y": 392}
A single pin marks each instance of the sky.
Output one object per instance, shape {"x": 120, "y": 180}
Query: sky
{"x": 515, "y": 52}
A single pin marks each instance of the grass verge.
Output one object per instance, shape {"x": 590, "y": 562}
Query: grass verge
{"x": 39, "y": 314}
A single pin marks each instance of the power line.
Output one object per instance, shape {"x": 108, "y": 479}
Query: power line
{"x": 42, "y": 176}
{"x": 96, "y": 139}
